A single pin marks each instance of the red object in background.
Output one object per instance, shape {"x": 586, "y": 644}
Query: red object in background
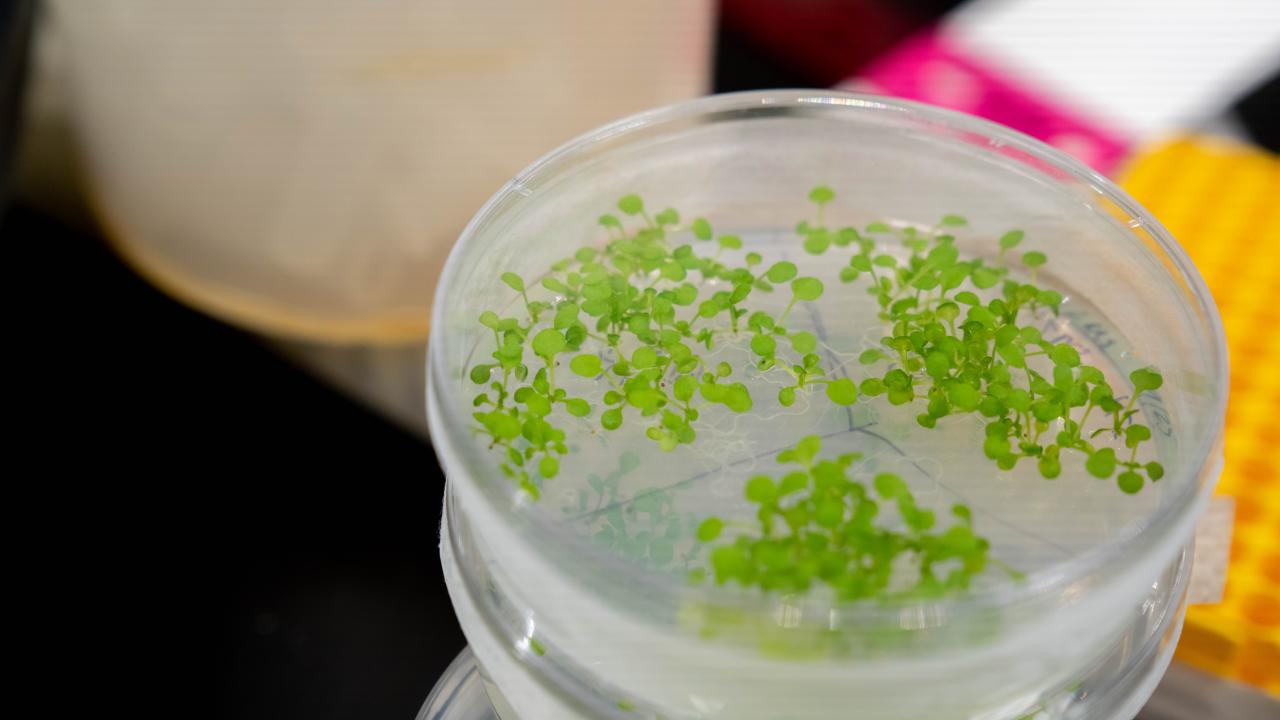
{"x": 892, "y": 48}
{"x": 825, "y": 40}
{"x": 931, "y": 69}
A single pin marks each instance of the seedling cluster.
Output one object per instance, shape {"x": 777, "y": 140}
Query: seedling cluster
{"x": 638, "y": 316}
{"x": 641, "y": 313}
{"x": 818, "y": 525}
{"x": 955, "y": 353}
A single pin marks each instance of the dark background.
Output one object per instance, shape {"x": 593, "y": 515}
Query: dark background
{"x": 233, "y": 538}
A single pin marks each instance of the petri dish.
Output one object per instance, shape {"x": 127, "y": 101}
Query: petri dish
{"x": 459, "y": 694}
{"x": 594, "y": 587}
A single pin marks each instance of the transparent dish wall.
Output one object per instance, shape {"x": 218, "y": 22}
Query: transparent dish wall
{"x": 600, "y": 629}
{"x": 1114, "y": 687}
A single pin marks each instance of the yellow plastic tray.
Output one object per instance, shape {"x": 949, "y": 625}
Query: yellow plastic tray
{"x": 1221, "y": 200}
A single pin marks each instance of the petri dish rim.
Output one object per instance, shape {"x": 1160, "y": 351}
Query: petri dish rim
{"x": 459, "y": 453}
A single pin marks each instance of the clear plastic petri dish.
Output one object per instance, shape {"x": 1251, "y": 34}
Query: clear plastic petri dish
{"x": 621, "y": 557}
{"x": 459, "y": 694}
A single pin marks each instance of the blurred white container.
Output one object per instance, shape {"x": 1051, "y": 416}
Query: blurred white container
{"x": 303, "y": 168}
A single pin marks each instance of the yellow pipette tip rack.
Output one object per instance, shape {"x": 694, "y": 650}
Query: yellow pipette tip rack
{"x": 1221, "y": 201}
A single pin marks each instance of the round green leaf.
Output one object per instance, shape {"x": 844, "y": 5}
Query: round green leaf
{"x": 684, "y": 388}
{"x": 947, "y": 311}
{"x": 501, "y": 425}
{"x": 1101, "y": 463}
{"x": 513, "y": 281}
{"x": 984, "y": 277}
{"x": 737, "y": 398}
{"x": 781, "y": 272}
{"x": 585, "y": 365}
{"x": 963, "y": 396}
{"x": 787, "y": 396}
{"x": 870, "y": 357}
{"x": 1050, "y": 467}
{"x": 760, "y": 489}
{"x": 1146, "y": 379}
{"x": 1135, "y": 435}
{"x": 822, "y": 195}
{"x": 842, "y": 391}
{"x": 803, "y": 342}
{"x": 631, "y": 204}
{"x": 644, "y": 357}
{"x": 890, "y": 486}
{"x": 1065, "y": 355}
{"x": 548, "y": 343}
{"x": 817, "y": 242}
{"x": 710, "y": 529}
{"x": 763, "y": 345}
{"x": 807, "y": 288}
{"x": 1129, "y": 481}
{"x": 480, "y": 374}
{"x": 549, "y": 467}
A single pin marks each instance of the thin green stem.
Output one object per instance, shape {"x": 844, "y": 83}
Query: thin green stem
{"x": 1133, "y": 400}
{"x": 1088, "y": 408}
{"x": 787, "y": 311}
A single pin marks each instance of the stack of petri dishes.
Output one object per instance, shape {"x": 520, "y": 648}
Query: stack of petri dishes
{"x": 592, "y": 588}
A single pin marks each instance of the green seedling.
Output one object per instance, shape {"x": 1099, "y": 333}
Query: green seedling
{"x": 640, "y": 313}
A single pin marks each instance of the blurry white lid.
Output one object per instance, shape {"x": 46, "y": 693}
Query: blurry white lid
{"x": 1142, "y": 66}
